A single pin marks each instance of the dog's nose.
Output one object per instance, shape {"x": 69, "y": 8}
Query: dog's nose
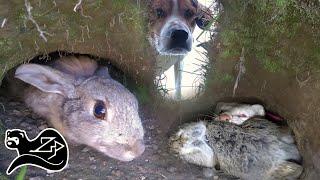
{"x": 179, "y": 36}
{"x": 179, "y": 39}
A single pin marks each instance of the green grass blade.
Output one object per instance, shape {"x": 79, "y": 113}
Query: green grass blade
{"x": 22, "y": 173}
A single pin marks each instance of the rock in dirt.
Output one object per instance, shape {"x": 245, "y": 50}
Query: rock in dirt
{"x": 85, "y": 149}
{"x": 17, "y": 113}
{"x": 117, "y": 173}
{"x": 172, "y": 169}
{"x": 91, "y": 158}
{"x": 93, "y": 167}
{"x": 36, "y": 178}
{"x": 208, "y": 172}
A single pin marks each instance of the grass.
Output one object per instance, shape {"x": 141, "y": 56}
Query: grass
{"x": 22, "y": 173}
{"x": 268, "y": 31}
{"x": 218, "y": 77}
{"x": 3, "y": 177}
{"x": 143, "y": 94}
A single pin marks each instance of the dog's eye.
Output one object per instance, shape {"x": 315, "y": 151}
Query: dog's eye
{"x": 160, "y": 13}
{"x": 99, "y": 110}
{"x": 188, "y": 13}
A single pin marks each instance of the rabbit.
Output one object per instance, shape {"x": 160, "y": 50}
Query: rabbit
{"x": 257, "y": 149}
{"x": 238, "y": 113}
{"x": 80, "y": 99}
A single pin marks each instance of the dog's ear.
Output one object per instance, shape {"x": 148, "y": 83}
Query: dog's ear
{"x": 204, "y": 16}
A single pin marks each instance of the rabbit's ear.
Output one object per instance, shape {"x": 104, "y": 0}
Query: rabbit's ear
{"x": 46, "y": 79}
{"x": 103, "y": 72}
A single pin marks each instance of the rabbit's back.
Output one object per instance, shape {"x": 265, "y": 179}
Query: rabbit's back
{"x": 252, "y": 149}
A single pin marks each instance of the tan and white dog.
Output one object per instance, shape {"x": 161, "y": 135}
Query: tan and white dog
{"x": 171, "y": 24}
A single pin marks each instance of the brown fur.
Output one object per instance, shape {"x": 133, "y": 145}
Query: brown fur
{"x": 66, "y": 93}
{"x": 78, "y": 67}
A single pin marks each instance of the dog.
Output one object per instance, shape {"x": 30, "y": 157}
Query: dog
{"x": 171, "y": 24}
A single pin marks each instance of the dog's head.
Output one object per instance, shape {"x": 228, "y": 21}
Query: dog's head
{"x": 171, "y": 23}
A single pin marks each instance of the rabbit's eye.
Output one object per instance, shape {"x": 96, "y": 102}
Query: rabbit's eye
{"x": 99, "y": 110}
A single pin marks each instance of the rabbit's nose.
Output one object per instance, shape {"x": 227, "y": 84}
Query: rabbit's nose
{"x": 135, "y": 150}
{"x": 138, "y": 147}
{"x": 224, "y": 117}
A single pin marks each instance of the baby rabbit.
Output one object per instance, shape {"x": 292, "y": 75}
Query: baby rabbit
{"x": 238, "y": 113}
{"x": 257, "y": 149}
{"x": 86, "y": 105}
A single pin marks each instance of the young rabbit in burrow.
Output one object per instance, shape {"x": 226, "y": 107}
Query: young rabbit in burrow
{"x": 238, "y": 113}
{"x": 256, "y": 149}
{"x": 86, "y": 105}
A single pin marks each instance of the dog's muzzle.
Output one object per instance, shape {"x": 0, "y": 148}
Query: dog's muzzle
{"x": 178, "y": 40}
